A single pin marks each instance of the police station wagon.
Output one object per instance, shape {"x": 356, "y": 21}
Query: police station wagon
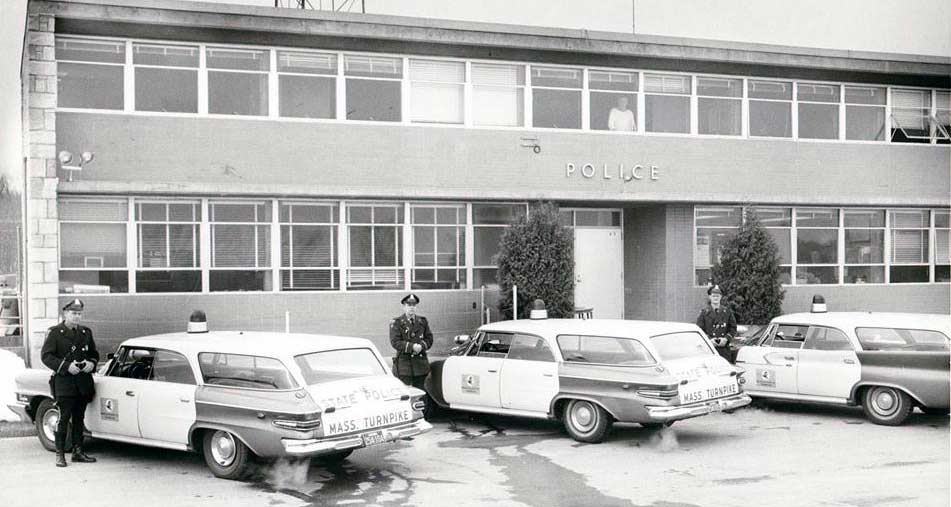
{"x": 587, "y": 373}
{"x": 888, "y": 363}
{"x": 238, "y": 395}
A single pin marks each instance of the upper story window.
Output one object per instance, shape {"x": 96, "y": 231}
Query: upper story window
{"x": 667, "y": 103}
{"x": 92, "y": 248}
{"x": 373, "y": 87}
{"x": 309, "y": 246}
{"x": 613, "y": 100}
{"x": 770, "y": 108}
{"x": 168, "y": 237}
{"x": 307, "y": 84}
{"x": 237, "y": 81}
{"x": 240, "y": 245}
{"x": 89, "y": 73}
{"x": 166, "y": 78}
{"x": 818, "y": 110}
{"x": 556, "y": 97}
{"x": 437, "y": 91}
{"x": 498, "y": 95}
{"x": 720, "y": 106}
{"x": 865, "y": 113}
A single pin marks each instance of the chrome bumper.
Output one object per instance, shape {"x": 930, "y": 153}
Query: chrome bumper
{"x": 328, "y": 445}
{"x": 20, "y": 410}
{"x": 677, "y": 412}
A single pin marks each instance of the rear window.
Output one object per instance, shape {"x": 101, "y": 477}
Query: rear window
{"x": 237, "y": 370}
{"x": 331, "y": 365}
{"x": 604, "y": 350}
{"x": 680, "y": 346}
{"x": 887, "y": 338}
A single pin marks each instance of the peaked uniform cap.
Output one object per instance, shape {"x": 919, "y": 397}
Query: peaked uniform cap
{"x": 411, "y": 299}
{"x": 714, "y": 290}
{"x": 76, "y": 305}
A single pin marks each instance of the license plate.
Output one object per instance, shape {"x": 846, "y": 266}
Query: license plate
{"x": 373, "y": 438}
{"x": 704, "y": 391}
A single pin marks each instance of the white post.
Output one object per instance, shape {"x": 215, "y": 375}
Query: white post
{"x": 482, "y": 305}
{"x": 515, "y": 302}
{"x": 287, "y": 321}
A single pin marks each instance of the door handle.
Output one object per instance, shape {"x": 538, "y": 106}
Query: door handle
{"x": 130, "y": 393}
{"x": 493, "y": 371}
{"x": 848, "y": 361}
{"x": 789, "y": 358}
{"x": 184, "y": 400}
{"x": 547, "y": 374}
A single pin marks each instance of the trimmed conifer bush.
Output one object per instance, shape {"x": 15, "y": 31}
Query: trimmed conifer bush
{"x": 537, "y": 254}
{"x": 748, "y": 273}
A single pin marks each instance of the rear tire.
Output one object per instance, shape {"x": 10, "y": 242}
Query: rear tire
{"x": 886, "y": 405}
{"x": 586, "y": 421}
{"x": 226, "y": 455}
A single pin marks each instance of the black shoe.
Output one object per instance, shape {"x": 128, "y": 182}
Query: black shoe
{"x": 80, "y": 457}
{"x": 60, "y": 458}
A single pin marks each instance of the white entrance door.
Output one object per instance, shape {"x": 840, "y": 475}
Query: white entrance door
{"x": 599, "y": 271}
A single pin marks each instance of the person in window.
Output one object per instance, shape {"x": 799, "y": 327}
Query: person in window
{"x": 718, "y": 323}
{"x": 411, "y": 338}
{"x": 621, "y": 118}
{"x": 70, "y": 352}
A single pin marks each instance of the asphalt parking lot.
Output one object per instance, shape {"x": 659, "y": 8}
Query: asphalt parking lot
{"x": 777, "y": 454}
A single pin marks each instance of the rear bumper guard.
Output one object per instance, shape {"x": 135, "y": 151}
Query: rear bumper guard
{"x": 316, "y": 447}
{"x": 677, "y": 412}
{"x": 19, "y": 409}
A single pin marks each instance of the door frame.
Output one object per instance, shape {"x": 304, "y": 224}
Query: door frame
{"x": 619, "y": 228}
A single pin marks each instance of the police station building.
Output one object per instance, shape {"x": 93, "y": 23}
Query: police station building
{"x": 274, "y": 166}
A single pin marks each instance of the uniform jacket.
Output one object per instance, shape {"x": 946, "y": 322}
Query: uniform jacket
{"x": 63, "y": 346}
{"x": 403, "y": 334}
{"x": 717, "y": 323}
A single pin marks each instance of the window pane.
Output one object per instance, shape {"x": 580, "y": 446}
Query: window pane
{"x": 165, "y": 55}
{"x": 865, "y": 123}
{"x": 372, "y": 100}
{"x": 237, "y": 59}
{"x": 386, "y": 246}
{"x": 87, "y": 50}
{"x": 240, "y": 246}
{"x": 424, "y": 245}
{"x": 942, "y": 273}
{"x": 810, "y": 275}
{"x": 865, "y": 95}
{"x": 719, "y": 216}
{"x": 497, "y": 106}
{"x": 501, "y": 214}
{"x": 864, "y": 218}
{"x": 783, "y": 243}
{"x": 719, "y": 116}
{"x": 307, "y": 63}
{"x": 909, "y": 219}
{"x": 239, "y": 280}
{"x": 806, "y": 217}
{"x": 437, "y": 102}
{"x": 89, "y": 86}
{"x": 237, "y": 93}
{"x": 613, "y": 111}
{"x": 308, "y": 246}
{"x": 773, "y": 217}
{"x": 92, "y": 245}
{"x": 373, "y": 66}
{"x": 777, "y": 90}
{"x": 719, "y": 87}
{"x": 485, "y": 276}
{"x": 818, "y": 93}
{"x": 941, "y": 218}
{"x": 183, "y": 245}
{"x": 307, "y": 96}
{"x": 708, "y": 245}
{"x": 224, "y": 212}
{"x": 309, "y": 279}
{"x": 941, "y": 247}
{"x": 908, "y": 274}
{"x": 152, "y": 246}
{"x": 166, "y": 90}
{"x": 93, "y": 282}
{"x": 168, "y": 281}
{"x": 556, "y": 109}
{"x": 864, "y": 246}
{"x": 665, "y": 113}
{"x": 486, "y": 244}
{"x": 910, "y": 247}
{"x": 865, "y": 274}
{"x": 309, "y": 213}
{"x": 612, "y": 80}
{"x": 770, "y": 119}
{"x": 667, "y": 84}
{"x": 817, "y": 246}
{"x": 91, "y": 211}
{"x": 818, "y": 121}
{"x": 560, "y": 77}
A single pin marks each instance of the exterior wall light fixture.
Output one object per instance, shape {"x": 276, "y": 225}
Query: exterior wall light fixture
{"x": 66, "y": 157}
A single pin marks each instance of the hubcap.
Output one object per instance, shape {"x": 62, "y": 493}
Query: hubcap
{"x": 223, "y": 448}
{"x": 885, "y": 401}
{"x": 50, "y": 421}
{"x": 582, "y": 416}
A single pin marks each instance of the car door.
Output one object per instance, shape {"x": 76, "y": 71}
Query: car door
{"x": 114, "y": 411}
{"x": 529, "y": 377}
{"x": 472, "y": 380}
{"x": 828, "y": 365}
{"x": 167, "y": 403}
{"x": 772, "y": 366}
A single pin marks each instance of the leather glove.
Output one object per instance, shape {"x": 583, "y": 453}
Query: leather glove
{"x": 73, "y": 369}
{"x": 90, "y": 366}
{"x": 417, "y": 348}
{"x": 719, "y": 341}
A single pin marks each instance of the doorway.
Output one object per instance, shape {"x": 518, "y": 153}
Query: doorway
{"x": 599, "y": 260}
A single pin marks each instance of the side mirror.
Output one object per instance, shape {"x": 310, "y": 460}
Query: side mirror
{"x": 461, "y": 339}
{"x": 110, "y": 356}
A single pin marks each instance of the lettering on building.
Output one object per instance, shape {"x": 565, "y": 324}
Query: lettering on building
{"x": 620, "y": 172}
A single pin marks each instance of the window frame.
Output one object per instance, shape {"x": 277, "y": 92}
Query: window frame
{"x": 335, "y": 247}
{"x": 269, "y": 91}
{"x": 399, "y": 246}
{"x": 459, "y": 226}
{"x": 135, "y": 66}
{"x": 127, "y": 268}
{"x": 139, "y": 265}
{"x": 582, "y": 108}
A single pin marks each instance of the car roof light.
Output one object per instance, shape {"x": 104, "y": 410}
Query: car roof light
{"x": 197, "y": 322}
{"x": 819, "y": 304}
{"x": 539, "y": 312}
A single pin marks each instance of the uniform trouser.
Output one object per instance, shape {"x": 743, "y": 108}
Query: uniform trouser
{"x": 71, "y": 408}
{"x": 417, "y": 381}
{"x": 725, "y": 353}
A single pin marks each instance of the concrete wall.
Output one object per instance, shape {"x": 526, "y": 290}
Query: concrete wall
{"x": 140, "y": 153}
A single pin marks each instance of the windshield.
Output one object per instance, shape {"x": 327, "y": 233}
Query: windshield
{"x": 886, "y": 338}
{"x": 331, "y": 365}
{"x": 237, "y": 370}
{"x": 681, "y": 345}
{"x": 604, "y": 350}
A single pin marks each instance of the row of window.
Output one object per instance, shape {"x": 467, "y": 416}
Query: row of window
{"x": 147, "y": 245}
{"x": 836, "y": 245}
{"x": 179, "y": 78}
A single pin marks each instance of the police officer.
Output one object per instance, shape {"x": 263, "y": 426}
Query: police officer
{"x": 70, "y": 352}
{"x": 718, "y": 323}
{"x": 411, "y": 338}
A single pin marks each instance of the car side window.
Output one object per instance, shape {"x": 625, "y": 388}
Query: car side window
{"x": 495, "y": 345}
{"x": 789, "y": 336}
{"x": 826, "y": 338}
{"x": 472, "y": 348}
{"x": 527, "y": 347}
{"x": 168, "y": 366}
{"x": 133, "y": 362}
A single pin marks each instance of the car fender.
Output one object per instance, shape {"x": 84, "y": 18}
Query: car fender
{"x": 856, "y": 399}
{"x": 555, "y": 414}
{"x": 199, "y": 427}
{"x": 433, "y": 383}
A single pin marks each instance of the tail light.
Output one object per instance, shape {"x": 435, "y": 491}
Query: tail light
{"x": 309, "y": 422}
{"x": 659, "y": 392}
{"x": 419, "y": 403}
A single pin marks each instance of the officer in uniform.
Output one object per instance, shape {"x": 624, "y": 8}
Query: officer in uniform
{"x": 411, "y": 338}
{"x": 718, "y": 323}
{"x": 70, "y": 352}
